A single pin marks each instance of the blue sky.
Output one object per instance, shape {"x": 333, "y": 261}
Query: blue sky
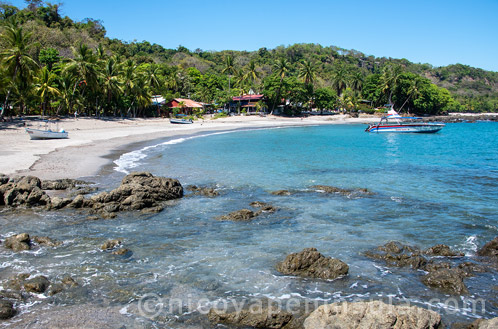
{"x": 438, "y": 32}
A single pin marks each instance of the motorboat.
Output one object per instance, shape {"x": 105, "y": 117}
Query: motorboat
{"x": 47, "y": 132}
{"x": 181, "y": 121}
{"x": 394, "y": 123}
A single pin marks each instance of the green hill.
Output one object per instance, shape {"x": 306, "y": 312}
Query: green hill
{"x": 54, "y": 64}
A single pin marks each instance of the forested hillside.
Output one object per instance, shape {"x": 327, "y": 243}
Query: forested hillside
{"x": 52, "y": 64}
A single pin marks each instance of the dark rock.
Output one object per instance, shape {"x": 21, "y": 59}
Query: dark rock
{"x": 122, "y": 252}
{"x": 69, "y": 282}
{"x": 59, "y": 203}
{"x": 442, "y": 250}
{"x": 490, "y": 249}
{"x": 62, "y": 184}
{"x": 257, "y": 318}
{"x": 55, "y": 289}
{"x": 264, "y": 207}
{"x": 6, "y": 309}
{"x": 468, "y": 268}
{"x": 397, "y": 254}
{"x": 446, "y": 280}
{"x": 4, "y": 179}
{"x": 282, "y": 192}
{"x": 46, "y": 241}
{"x": 338, "y": 190}
{"x": 110, "y": 244}
{"x": 311, "y": 263}
{"x": 18, "y": 242}
{"x": 373, "y": 314}
{"x": 15, "y": 283}
{"x": 204, "y": 191}
{"x": 431, "y": 266}
{"x": 38, "y": 284}
{"x": 238, "y": 216}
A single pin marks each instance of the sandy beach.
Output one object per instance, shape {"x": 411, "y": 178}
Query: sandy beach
{"x": 91, "y": 140}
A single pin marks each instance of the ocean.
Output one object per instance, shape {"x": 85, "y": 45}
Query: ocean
{"x": 425, "y": 189}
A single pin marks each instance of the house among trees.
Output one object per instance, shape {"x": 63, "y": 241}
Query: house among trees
{"x": 184, "y": 106}
{"x": 246, "y": 102}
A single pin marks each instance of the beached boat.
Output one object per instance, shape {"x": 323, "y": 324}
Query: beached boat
{"x": 394, "y": 123}
{"x": 181, "y": 121}
{"x": 47, "y": 132}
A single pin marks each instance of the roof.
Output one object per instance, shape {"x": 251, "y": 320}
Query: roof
{"x": 248, "y": 97}
{"x": 188, "y": 102}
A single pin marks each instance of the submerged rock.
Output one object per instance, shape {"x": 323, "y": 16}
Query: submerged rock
{"x": 397, "y": 254}
{"x": 282, "y": 192}
{"x": 18, "y": 242}
{"x": 446, "y": 280}
{"x": 238, "y": 216}
{"x": 311, "y": 263}
{"x": 264, "y": 207}
{"x": 442, "y": 250}
{"x": 38, "y": 284}
{"x": 46, "y": 241}
{"x": 110, "y": 244}
{"x": 338, "y": 190}
{"x": 490, "y": 249}
{"x": 6, "y": 309}
{"x": 204, "y": 191}
{"x": 374, "y": 314}
{"x": 122, "y": 252}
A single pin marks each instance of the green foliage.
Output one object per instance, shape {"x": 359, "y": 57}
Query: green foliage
{"x": 103, "y": 76}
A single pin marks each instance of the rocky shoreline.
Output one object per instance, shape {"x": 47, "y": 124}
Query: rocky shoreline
{"x": 439, "y": 267}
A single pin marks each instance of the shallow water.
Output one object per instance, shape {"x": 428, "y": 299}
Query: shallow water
{"x": 427, "y": 189}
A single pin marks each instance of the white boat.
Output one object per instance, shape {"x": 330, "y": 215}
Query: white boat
{"x": 46, "y": 132}
{"x": 394, "y": 123}
{"x": 181, "y": 121}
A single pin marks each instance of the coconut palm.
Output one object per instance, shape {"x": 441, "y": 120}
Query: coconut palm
{"x": 251, "y": 72}
{"x": 110, "y": 80}
{"x": 339, "y": 79}
{"x": 229, "y": 69}
{"x": 307, "y": 72}
{"x": 281, "y": 68}
{"x": 413, "y": 91}
{"x": 46, "y": 87}
{"x": 389, "y": 79}
{"x": 84, "y": 67}
{"x": 356, "y": 81}
{"x": 16, "y": 59}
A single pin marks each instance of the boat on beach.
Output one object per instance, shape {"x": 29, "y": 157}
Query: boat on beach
{"x": 394, "y": 123}
{"x": 181, "y": 121}
{"x": 47, "y": 132}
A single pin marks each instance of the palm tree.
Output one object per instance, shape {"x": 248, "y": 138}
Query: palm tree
{"x": 66, "y": 88}
{"x": 413, "y": 91}
{"x": 110, "y": 77}
{"x": 16, "y": 59}
{"x": 389, "y": 79}
{"x": 84, "y": 68}
{"x": 356, "y": 80}
{"x": 45, "y": 87}
{"x": 251, "y": 73}
{"x": 281, "y": 68}
{"x": 307, "y": 72}
{"x": 229, "y": 69}
{"x": 339, "y": 79}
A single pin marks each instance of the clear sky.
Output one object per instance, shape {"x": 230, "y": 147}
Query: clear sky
{"x": 438, "y": 32}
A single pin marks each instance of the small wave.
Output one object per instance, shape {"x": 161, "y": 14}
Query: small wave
{"x": 470, "y": 245}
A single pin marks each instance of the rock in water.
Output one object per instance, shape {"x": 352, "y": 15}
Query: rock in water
{"x": 442, "y": 250}
{"x": 6, "y": 309}
{"x": 18, "y": 242}
{"x": 374, "y": 314}
{"x": 447, "y": 280}
{"x": 238, "y": 216}
{"x": 490, "y": 249}
{"x": 37, "y": 285}
{"x": 261, "y": 318}
{"x": 311, "y": 263}
{"x": 485, "y": 324}
{"x": 110, "y": 244}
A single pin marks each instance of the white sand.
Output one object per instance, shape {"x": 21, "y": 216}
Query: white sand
{"x": 90, "y": 140}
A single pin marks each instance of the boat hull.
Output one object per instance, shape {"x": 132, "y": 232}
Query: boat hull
{"x": 406, "y": 128}
{"x": 46, "y": 134}
{"x": 180, "y": 121}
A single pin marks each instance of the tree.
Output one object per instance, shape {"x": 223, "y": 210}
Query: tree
{"x": 251, "y": 72}
{"x": 339, "y": 79}
{"x": 281, "y": 68}
{"x": 229, "y": 69}
{"x": 110, "y": 77}
{"x": 389, "y": 79}
{"x": 46, "y": 87}
{"x": 16, "y": 58}
{"x": 325, "y": 98}
{"x": 48, "y": 57}
{"x": 307, "y": 72}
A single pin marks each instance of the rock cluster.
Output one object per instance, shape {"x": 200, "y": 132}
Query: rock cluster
{"x": 310, "y": 263}
{"x": 23, "y": 241}
{"x": 333, "y": 189}
{"x": 204, "y": 191}
{"x": 242, "y": 215}
{"x": 23, "y": 191}
{"x": 373, "y": 314}
{"x": 257, "y": 318}
{"x": 442, "y": 275}
{"x": 490, "y": 249}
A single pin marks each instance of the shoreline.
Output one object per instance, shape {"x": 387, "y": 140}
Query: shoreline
{"x": 93, "y": 144}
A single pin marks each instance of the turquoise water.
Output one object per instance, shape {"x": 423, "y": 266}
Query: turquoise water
{"x": 426, "y": 189}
